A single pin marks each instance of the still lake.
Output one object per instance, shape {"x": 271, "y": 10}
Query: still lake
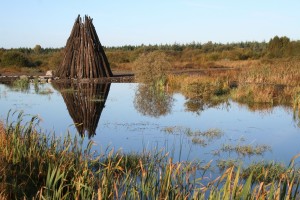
{"x": 122, "y": 116}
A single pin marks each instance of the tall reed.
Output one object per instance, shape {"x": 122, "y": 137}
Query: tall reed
{"x": 35, "y": 165}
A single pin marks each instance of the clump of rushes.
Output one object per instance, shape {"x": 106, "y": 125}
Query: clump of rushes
{"x": 3, "y": 142}
{"x": 21, "y": 84}
{"x": 39, "y": 166}
{"x": 296, "y": 103}
{"x": 36, "y": 165}
{"x": 2, "y": 135}
{"x": 233, "y": 185}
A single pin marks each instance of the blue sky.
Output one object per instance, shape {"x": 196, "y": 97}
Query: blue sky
{"x": 25, "y": 23}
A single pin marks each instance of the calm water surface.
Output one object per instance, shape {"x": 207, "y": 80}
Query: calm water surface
{"x": 127, "y": 117}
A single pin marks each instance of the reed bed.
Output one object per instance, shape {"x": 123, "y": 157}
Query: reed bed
{"x": 272, "y": 83}
{"x": 283, "y": 72}
{"x": 35, "y": 165}
{"x": 197, "y": 85}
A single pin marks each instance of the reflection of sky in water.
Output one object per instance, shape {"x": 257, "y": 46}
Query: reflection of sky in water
{"x": 122, "y": 127}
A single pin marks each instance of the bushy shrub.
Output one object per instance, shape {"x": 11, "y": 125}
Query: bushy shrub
{"x": 14, "y": 58}
{"x": 151, "y": 68}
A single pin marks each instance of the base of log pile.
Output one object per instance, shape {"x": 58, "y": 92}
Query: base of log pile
{"x": 128, "y": 78}
{"x": 114, "y": 79}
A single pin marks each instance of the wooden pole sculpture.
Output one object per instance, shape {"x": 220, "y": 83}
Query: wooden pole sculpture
{"x": 84, "y": 56}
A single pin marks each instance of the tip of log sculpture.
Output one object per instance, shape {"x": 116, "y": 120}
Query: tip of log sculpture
{"x": 84, "y": 56}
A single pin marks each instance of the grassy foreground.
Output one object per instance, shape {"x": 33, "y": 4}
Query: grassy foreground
{"x": 34, "y": 165}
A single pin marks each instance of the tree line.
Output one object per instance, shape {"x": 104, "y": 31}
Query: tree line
{"x": 277, "y": 47}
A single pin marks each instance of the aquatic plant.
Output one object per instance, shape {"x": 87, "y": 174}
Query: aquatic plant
{"x": 39, "y": 166}
{"x": 246, "y": 149}
{"x": 296, "y": 104}
{"x": 265, "y": 172}
{"x": 45, "y": 91}
{"x": 21, "y": 84}
{"x": 225, "y": 164}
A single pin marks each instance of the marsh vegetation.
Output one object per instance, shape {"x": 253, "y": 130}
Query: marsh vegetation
{"x": 35, "y": 165}
{"x": 179, "y": 83}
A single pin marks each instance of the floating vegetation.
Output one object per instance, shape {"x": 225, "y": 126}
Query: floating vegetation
{"x": 200, "y": 141}
{"x": 175, "y": 129}
{"x": 138, "y": 126}
{"x": 198, "y": 137}
{"x": 212, "y": 133}
{"x": 246, "y": 149}
{"x": 225, "y": 164}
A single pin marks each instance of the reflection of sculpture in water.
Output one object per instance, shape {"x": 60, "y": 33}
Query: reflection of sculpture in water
{"x": 152, "y": 101}
{"x": 85, "y": 102}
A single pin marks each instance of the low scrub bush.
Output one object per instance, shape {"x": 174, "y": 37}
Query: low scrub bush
{"x": 14, "y": 58}
{"x": 151, "y": 68}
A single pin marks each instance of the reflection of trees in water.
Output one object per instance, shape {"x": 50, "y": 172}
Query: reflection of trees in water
{"x": 152, "y": 101}
{"x": 85, "y": 102}
{"x": 200, "y": 103}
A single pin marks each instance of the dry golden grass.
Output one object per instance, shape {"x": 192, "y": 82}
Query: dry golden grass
{"x": 275, "y": 71}
{"x": 272, "y": 94}
{"x": 3, "y": 197}
{"x": 15, "y": 71}
{"x": 279, "y": 72}
{"x": 273, "y": 82}
{"x": 238, "y": 63}
{"x": 2, "y": 135}
{"x": 2, "y": 143}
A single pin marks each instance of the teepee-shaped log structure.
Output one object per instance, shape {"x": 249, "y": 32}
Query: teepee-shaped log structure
{"x": 84, "y": 55}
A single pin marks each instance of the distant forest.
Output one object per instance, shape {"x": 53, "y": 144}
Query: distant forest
{"x": 193, "y": 53}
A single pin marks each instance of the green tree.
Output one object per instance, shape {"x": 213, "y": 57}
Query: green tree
{"x": 14, "y": 58}
{"x": 279, "y": 47}
{"x": 37, "y": 49}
